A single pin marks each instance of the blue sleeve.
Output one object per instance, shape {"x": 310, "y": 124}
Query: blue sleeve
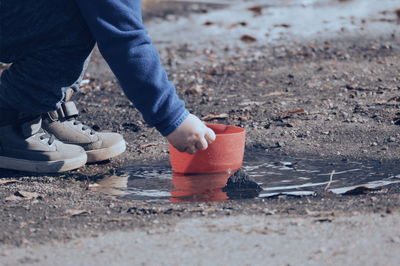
{"x": 122, "y": 39}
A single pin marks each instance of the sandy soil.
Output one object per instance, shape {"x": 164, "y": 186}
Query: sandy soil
{"x": 333, "y": 96}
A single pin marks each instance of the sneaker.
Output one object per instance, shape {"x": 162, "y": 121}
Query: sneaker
{"x": 25, "y": 146}
{"x": 99, "y": 146}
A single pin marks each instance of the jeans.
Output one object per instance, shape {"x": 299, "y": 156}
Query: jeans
{"x": 47, "y": 43}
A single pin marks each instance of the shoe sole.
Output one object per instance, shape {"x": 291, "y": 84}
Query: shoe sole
{"x": 106, "y": 153}
{"x": 43, "y": 166}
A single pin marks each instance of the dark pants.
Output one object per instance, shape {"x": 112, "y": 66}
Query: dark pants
{"x": 47, "y": 42}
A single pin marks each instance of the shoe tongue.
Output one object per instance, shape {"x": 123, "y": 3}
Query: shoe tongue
{"x": 31, "y": 127}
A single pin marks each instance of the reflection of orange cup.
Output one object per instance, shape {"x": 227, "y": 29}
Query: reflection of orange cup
{"x": 224, "y": 154}
{"x": 198, "y": 188}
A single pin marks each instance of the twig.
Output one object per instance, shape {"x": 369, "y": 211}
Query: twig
{"x": 221, "y": 82}
{"x": 330, "y": 180}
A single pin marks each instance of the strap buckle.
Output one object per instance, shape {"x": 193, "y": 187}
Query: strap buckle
{"x": 69, "y": 109}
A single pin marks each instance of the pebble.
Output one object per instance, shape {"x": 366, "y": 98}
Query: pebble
{"x": 281, "y": 144}
{"x": 391, "y": 139}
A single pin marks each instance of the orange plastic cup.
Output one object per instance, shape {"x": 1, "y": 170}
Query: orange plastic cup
{"x": 223, "y": 155}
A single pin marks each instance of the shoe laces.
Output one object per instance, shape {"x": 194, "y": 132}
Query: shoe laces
{"x": 84, "y": 127}
{"x": 44, "y": 135}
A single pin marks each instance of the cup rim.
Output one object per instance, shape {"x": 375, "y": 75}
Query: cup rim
{"x": 241, "y": 130}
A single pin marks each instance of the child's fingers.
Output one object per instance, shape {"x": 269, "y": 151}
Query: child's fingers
{"x": 202, "y": 144}
{"x": 191, "y": 150}
{"x": 210, "y": 135}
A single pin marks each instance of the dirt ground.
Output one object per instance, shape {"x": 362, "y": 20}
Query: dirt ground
{"x": 336, "y": 98}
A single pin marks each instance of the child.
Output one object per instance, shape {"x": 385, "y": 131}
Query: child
{"x": 47, "y": 42}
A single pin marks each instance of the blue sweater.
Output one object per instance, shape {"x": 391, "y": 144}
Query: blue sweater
{"x": 122, "y": 39}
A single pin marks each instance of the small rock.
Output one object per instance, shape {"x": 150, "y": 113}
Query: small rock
{"x": 280, "y": 144}
{"x": 391, "y": 139}
{"x": 74, "y": 212}
{"x": 195, "y": 90}
{"x": 267, "y": 211}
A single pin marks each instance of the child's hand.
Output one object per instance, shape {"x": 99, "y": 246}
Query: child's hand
{"x": 192, "y": 135}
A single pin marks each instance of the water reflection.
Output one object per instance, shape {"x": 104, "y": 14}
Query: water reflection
{"x": 115, "y": 185}
{"x": 183, "y": 189}
{"x": 262, "y": 177}
{"x": 199, "y": 188}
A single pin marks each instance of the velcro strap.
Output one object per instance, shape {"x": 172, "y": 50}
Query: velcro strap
{"x": 69, "y": 109}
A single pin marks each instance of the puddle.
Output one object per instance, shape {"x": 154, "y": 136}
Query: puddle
{"x": 262, "y": 177}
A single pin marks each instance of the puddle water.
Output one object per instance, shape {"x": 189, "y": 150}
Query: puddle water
{"x": 261, "y": 177}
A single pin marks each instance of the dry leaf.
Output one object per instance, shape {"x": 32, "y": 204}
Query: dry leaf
{"x": 214, "y": 116}
{"x": 320, "y": 213}
{"x": 257, "y": 10}
{"x": 147, "y": 145}
{"x": 245, "y": 103}
{"x": 381, "y": 102}
{"x": 294, "y": 111}
{"x": 283, "y": 25}
{"x": 24, "y": 195}
{"x": 248, "y": 38}
{"x": 194, "y": 90}
{"x": 13, "y": 198}
{"x": 276, "y": 93}
{"x": 230, "y": 69}
{"x": 8, "y": 181}
{"x": 395, "y": 98}
{"x": 28, "y": 195}
{"x": 93, "y": 186}
{"x": 73, "y": 212}
{"x": 208, "y": 23}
